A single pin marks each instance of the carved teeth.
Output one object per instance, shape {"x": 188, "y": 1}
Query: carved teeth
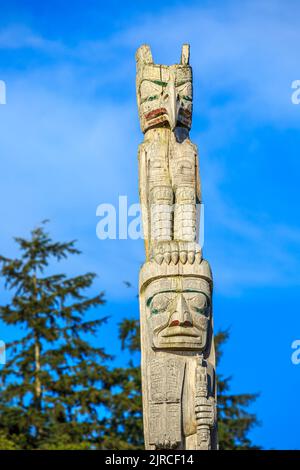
{"x": 191, "y": 257}
{"x": 168, "y": 258}
{"x": 159, "y": 259}
{"x": 183, "y": 257}
{"x": 175, "y": 257}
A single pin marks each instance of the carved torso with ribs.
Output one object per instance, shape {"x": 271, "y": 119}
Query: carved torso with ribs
{"x": 169, "y": 182}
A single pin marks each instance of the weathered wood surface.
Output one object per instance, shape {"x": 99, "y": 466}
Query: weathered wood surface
{"x": 178, "y": 356}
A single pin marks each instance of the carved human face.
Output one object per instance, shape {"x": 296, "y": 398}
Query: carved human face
{"x": 178, "y": 313}
{"x": 165, "y": 96}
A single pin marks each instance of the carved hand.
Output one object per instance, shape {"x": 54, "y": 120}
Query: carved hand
{"x": 205, "y": 411}
{"x": 166, "y": 443}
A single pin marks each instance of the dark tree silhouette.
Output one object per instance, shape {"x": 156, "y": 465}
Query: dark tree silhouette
{"x": 55, "y": 383}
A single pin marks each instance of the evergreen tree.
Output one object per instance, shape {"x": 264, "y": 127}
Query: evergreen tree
{"x": 124, "y": 429}
{"x": 55, "y": 385}
{"x": 56, "y": 390}
{"x": 234, "y": 421}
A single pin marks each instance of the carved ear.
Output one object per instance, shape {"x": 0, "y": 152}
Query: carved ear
{"x": 144, "y": 55}
{"x": 185, "y": 54}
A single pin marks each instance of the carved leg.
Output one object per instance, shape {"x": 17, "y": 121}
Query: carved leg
{"x": 160, "y": 196}
{"x": 183, "y": 168}
{"x": 185, "y": 219}
{"x": 161, "y": 210}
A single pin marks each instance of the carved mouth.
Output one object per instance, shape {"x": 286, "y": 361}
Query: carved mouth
{"x": 160, "y": 117}
{"x": 184, "y": 117}
{"x": 185, "y": 112}
{"x": 180, "y": 331}
{"x": 155, "y": 113}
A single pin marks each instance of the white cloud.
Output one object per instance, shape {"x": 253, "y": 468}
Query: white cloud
{"x": 21, "y": 37}
{"x": 246, "y": 49}
{"x": 69, "y": 140}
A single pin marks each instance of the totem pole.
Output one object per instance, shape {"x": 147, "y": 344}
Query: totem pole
{"x": 178, "y": 355}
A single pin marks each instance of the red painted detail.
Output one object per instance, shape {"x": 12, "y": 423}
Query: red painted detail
{"x": 155, "y": 112}
{"x": 178, "y": 323}
{"x": 185, "y": 113}
{"x": 158, "y": 120}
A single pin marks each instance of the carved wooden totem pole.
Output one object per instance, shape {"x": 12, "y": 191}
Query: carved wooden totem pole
{"x": 178, "y": 356}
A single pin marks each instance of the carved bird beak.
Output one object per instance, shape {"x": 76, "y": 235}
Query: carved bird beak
{"x": 169, "y": 102}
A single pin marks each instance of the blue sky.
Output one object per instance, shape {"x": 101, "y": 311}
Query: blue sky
{"x": 69, "y": 137}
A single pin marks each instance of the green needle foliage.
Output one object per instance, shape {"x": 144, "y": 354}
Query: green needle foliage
{"x": 125, "y": 424}
{"x": 234, "y": 421}
{"x": 56, "y": 389}
{"x": 55, "y": 384}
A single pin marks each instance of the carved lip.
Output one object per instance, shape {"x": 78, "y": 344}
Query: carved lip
{"x": 180, "y": 331}
{"x": 185, "y": 112}
{"x": 155, "y": 113}
{"x": 185, "y": 116}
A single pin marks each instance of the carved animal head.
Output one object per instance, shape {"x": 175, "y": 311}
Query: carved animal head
{"x": 164, "y": 93}
{"x": 178, "y": 313}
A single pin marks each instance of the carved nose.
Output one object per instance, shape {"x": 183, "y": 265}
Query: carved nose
{"x": 170, "y": 103}
{"x": 181, "y": 315}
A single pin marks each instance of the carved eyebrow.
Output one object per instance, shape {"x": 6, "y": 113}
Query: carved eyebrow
{"x": 198, "y": 292}
{"x": 183, "y": 82}
{"x": 158, "y": 82}
{"x": 187, "y": 98}
{"x": 173, "y": 290}
{"x": 149, "y": 98}
{"x": 165, "y": 291}
{"x": 192, "y": 290}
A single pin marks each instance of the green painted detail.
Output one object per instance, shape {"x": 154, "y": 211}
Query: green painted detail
{"x": 158, "y": 82}
{"x": 150, "y": 98}
{"x": 187, "y": 98}
{"x": 154, "y": 311}
{"x": 184, "y": 82}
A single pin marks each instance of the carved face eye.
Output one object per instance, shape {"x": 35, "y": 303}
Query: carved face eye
{"x": 185, "y": 91}
{"x": 199, "y": 303}
{"x": 160, "y": 303}
{"x": 150, "y": 91}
